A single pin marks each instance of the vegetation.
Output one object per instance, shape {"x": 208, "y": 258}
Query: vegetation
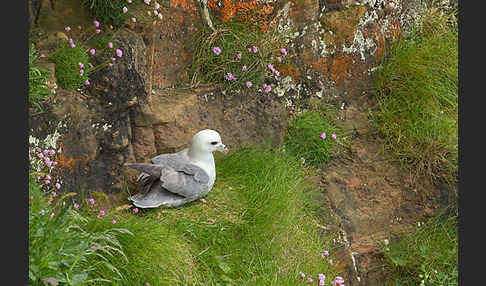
{"x": 417, "y": 93}
{"x": 62, "y": 242}
{"x": 38, "y": 79}
{"x": 245, "y": 52}
{"x": 303, "y": 138}
{"x": 239, "y": 235}
{"x": 67, "y": 59}
{"x": 107, "y": 11}
{"x": 426, "y": 257}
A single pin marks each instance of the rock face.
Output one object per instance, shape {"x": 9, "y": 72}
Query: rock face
{"x": 143, "y": 105}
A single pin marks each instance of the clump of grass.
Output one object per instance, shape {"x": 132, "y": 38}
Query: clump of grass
{"x": 253, "y": 229}
{"x": 62, "y": 244}
{"x": 233, "y": 38}
{"x": 38, "y": 79}
{"x": 303, "y": 135}
{"x": 108, "y": 11}
{"x": 417, "y": 94}
{"x": 66, "y": 59}
{"x": 428, "y": 256}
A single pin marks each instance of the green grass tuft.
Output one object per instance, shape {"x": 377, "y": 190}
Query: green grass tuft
{"x": 38, "y": 79}
{"x": 417, "y": 94}
{"x": 303, "y": 136}
{"x": 67, "y": 69}
{"x": 253, "y": 230}
{"x": 432, "y": 247}
{"x": 232, "y": 38}
{"x": 107, "y": 11}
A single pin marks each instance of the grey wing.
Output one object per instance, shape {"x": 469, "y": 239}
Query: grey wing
{"x": 175, "y": 172}
{"x": 187, "y": 181}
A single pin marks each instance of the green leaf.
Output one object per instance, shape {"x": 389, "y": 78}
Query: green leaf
{"x": 77, "y": 279}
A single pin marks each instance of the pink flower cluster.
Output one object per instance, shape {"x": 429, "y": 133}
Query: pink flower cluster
{"x": 92, "y": 51}
{"x": 338, "y": 281}
{"x": 324, "y": 136}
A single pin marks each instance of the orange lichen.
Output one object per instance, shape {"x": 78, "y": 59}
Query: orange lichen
{"x": 338, "y": 70}
{"x": 287, "y": 69}
{"x": 63, "y": 161}
{"x": 186, "y": 5}
{"x": 247, "y": 11}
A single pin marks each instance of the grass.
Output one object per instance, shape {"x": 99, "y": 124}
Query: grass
{"x": 303, "y": 140}
{"x": 107, "y": 11}
{"x": 38, "y": 79}
{"x": 255, "y": 229}
{"x": 235, "y": 37}
{"x": 417, "y": 95}
{"x": 67, "y": 69}
{"x": 429, "y": 254}
{"x": 64, "y": 246}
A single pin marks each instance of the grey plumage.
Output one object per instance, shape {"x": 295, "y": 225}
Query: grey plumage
{"x": 172, "y": 180}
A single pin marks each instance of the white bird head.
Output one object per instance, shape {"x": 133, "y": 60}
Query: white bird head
{"x": 207, "y": 141}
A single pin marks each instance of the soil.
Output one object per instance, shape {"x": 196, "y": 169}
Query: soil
{"x": 371, "y": 198}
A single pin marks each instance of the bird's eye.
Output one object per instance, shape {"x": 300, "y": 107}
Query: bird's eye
{"x": 214, "y": 143}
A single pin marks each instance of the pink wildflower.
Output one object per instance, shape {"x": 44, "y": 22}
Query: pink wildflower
{"x": 255, "y": 49}
{"x": 125, "y": 10}
{"x": 86, "y": 82}
{"x": 203, "y": 200}
{"x": 110, "y": 45}
{"x": 302, "y": 275}
{"x": 276, "y": 72}
{"x": 76, "y": 206}
{"x": 279, "y": 59}
{"x": 323, "y": 135}
{"x": 230, "y": 76}
{"x": 96, "y": 23}
{"x": 268, "y": 89}
{"x": 248, "y": 84}
{"x": 283, "y": 51}
{"x": 58, "y": 186}
{"x": 238, "y": 56}
{"x": 333, "y": 136}
{"x": 80, "y": 65}
{"x": 81, "y": 72}
{"x": 113, "y": 221}
{"x": 92, "y": 51}
{"x": 329, "y": 260}
{"x": 243, "y": 68}
{"x": 91, "y": 201}
{"x": 270, "y": 67}
{"x": 134, "y": 20}
{"x": 310, "y": 280}
{"x": 325, "y": 253}
{"x": 119, "y": 53}
{"x": 67, "y": 29}
{"x": 40, "y": 156}
{"x": 102, "y": 212}
{"x": 98, "y": 31}
{"x": 135, "y": 210}
{"x": 217, "y": 50}
{"x": 72, "y": 45}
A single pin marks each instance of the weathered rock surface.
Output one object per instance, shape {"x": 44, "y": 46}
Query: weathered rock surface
{"x": 142, "y": 106}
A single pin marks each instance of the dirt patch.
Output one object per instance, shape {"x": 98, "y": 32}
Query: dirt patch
{"x": 372, "y": 198}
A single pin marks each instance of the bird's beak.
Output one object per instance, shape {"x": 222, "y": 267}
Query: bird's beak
{"x": 222, "y": 148}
